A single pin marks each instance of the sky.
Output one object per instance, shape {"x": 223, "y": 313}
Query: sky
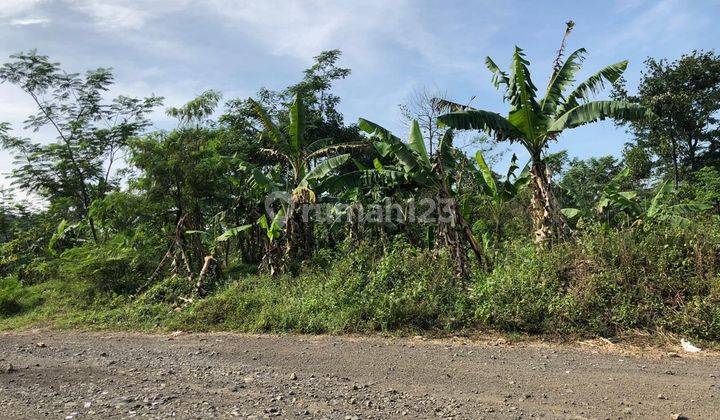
{"x": 180, "y": 48}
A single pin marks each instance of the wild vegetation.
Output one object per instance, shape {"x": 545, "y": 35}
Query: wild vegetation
{"x": 273, "y": 213}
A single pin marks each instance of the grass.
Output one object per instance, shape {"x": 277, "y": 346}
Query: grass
{"x": 602, "y": 285}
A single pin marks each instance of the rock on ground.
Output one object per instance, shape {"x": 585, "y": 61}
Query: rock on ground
{"x": 112, "y": 375}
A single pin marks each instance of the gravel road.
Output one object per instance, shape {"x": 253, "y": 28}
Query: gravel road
{"x": 68, "y": 374}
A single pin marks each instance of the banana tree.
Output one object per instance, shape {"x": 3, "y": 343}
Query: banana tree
{"x": 499, "y": 192}
{"x": 278, "y": 226}
{"x": 363, "y": 188}
{"x": 627, "y": 203}
{"x": 535, "y": 122}
{"x": 436, "y": 175}
{"x": 292, "y": 149}
{"x": 613, "y": 200}
{"x": 662, "y": 210}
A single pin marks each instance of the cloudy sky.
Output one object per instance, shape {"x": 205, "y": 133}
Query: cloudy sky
{"x": 179, "y": 48}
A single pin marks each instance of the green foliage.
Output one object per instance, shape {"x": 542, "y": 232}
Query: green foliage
{"x": 705, "y": 186}
{"x": 407, "y": 290}
{"x": 604, "y": 284}
{"x": 191, "y": 216}
{"x": 607, "y": 283}
{"x": 116, "y": 265}
{"x": 169, "y": 291}
{"x": 57, "y": 302}
{"x": 197, "y": 110}
{"x": 585, "y": 179}
{"x": 617, "y": 207}
{"x": 684, "y": 94}
{"x": 13, "y": 299}
{"x": 77, "y": 164}
{"x": 534, "y": 122}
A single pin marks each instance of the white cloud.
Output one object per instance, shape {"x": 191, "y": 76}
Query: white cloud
{"x": 363, "y": 30}
{"x": 299, "y": 29}
{"x": 12, "y": 8}
{"x": 296, "y": 28}
{"x": 622, "y": 6}
{"x": 29, "y": 21}
{"x": 111, "y": 15}
{"x": 660, "y": 22}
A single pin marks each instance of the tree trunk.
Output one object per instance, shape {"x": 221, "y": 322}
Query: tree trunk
{"x": 453, "y": 235}
{"x": 676, "y": 165}
{"x": 272, "y": 259}
{"x": 470, "y": 236}
{"x": 209, "y": 266}
{"x": 448, "y": 237}
{"x": 548, "y": 222}
{"x": 299, "y": 231}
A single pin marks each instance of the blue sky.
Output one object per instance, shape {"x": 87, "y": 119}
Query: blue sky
{"x": 179, "y": 48}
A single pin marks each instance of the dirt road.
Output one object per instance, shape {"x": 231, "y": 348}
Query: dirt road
{"x": 113, "y": 375}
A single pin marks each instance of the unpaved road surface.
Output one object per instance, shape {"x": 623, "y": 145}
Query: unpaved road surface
{"x": 112, "y": 375}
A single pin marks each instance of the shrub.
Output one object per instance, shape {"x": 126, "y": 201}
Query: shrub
{"x": 115, "y": 265}
{"x": 363, "y": 291}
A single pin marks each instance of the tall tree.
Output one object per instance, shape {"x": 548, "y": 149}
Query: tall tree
{"x": 191, "y": 176}
{"x": 535, "y": 122}
{"x": 685, "y": 96}
{"x": 316, "y": 86}
{"x": 78, "y": 165}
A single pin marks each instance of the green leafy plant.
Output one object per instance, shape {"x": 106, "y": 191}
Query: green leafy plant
{"x": 498, "y": 192}
{"x": 296, "y": 151}
{"x": 535, "y": 122}
{"x": 436, "y": 174}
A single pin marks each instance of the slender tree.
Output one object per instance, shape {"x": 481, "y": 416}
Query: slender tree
{"x": 89, "y": 132}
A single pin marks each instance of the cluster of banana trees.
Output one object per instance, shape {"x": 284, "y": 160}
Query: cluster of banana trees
{"x": 307, "y": 170}
{"x": 294, "y": 153}
{"x": 624, "y": 208}
{"x": 436, "y": 175}
{"x": 295, "y": 169}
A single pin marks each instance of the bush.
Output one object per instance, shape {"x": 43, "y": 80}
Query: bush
{"x": 607, "y": 282}
{"x": 168, "y": 291}
{"x": 407, "y": 289}
{"x": 14, "y": 299}
{"x": 520, "y": 293}
{"x": 115, "y": 265}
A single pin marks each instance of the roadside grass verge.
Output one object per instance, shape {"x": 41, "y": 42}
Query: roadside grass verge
{"x": 604, "y": 284}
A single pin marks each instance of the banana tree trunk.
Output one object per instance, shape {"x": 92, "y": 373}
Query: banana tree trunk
{"x": 448, "y": 237}
{"x": 474, "y": 245}
{"x": 353, "y": 221}
{"x": 272, "y": 259}
{"x": 208, "y": 269}
{"x": 548, "y": 222}
{"x": 299, "y": 231}
{"x": 454, "y": 235}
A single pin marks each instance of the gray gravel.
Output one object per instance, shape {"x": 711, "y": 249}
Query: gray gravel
{"x": 68, "y": 374}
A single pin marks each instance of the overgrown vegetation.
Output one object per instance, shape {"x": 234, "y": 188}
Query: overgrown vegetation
{"x": 274, "y": 214}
